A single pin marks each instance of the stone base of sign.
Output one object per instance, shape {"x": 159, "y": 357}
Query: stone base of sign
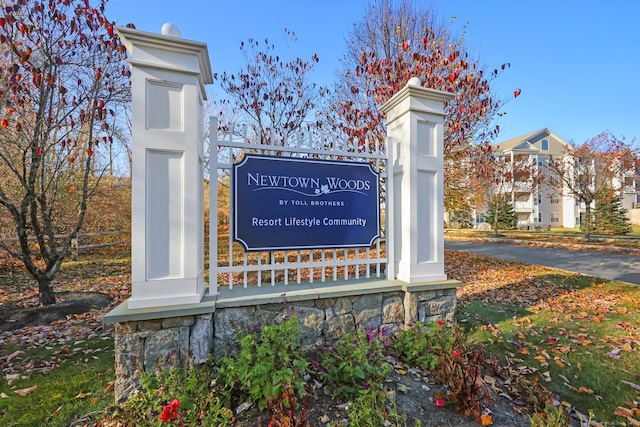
{"x": 148, "y": 338}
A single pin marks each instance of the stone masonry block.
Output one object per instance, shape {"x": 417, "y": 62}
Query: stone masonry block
{"x": 201, "y": 339}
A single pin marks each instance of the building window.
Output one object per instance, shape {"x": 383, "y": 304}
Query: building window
{"x": 539, "y": 198}
{"x": 540, "y": 217}
{"x": 554, "y": 200}
{"x": 545, "y": 145}
{"x": 555, "y": 217}
{"x": 539, "y": 161}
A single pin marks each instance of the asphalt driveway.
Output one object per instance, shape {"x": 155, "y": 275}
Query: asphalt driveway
{"x": 612, "y": 266}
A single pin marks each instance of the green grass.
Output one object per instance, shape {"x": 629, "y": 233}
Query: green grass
{"x": 76, "y": 392}
{"x": 560, "y": 232}
{"x": 583, "y": 346}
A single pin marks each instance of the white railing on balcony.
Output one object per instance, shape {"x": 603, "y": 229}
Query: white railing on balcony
{"x": 523, "y": 205}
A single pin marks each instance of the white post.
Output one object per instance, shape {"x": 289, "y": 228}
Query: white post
{"x": 213, "y": 206}
{"x": 167, "y": 226}
{"x": 415, "y": 117}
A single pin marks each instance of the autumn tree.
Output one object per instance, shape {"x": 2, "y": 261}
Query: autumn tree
{"x": 62, "y": 74}
{"x": 595, "y": 167}
{"x": 270, "y": 94}
{"x": 395, "y": 41}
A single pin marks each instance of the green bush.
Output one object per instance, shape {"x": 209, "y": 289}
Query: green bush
{"x": 190, "y": 385}
{"x": 414, "y": 345}
{"x": 356, "y": 362}
{"x": 269, "y": 360}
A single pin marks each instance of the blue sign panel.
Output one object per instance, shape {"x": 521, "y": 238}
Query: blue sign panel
{"x": 291, "y": 203}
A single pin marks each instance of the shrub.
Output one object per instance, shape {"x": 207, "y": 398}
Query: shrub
{"x": 182, "y": 393}
{"x": 356, "y": 362}
{"x": 414, "y": 345}
{"x": 269, "y": 361}
{"x": 459, "y": 367}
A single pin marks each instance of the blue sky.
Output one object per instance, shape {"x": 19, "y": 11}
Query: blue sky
{"x": 577, "y": 62}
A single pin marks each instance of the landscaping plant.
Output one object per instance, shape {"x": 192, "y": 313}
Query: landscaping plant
{"x": 414, "y": 346}
{"x": 284, "y": 409}
{"x": 460, "y": 368}
{"x": 442, "y": 349}
{"x": 268, "y": 363}
{"x": 180, "y": 395}
{"x": 355, "y": 362}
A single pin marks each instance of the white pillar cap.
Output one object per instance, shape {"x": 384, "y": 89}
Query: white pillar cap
{"x": 169, "y": 29}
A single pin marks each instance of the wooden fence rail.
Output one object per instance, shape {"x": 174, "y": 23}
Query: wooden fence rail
{"x": 76, "y": 242}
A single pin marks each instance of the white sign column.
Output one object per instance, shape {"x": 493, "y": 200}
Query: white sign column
{"x": 415, "y": 241}
{"x": 167, "y": 236}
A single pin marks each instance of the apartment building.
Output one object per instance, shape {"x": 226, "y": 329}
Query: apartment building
{"x": 547, "y": 204}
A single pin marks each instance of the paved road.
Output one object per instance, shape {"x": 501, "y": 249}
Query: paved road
{"x": 612, "y": 266}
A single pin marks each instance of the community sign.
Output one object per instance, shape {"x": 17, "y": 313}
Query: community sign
{"x": 291, "y": 203}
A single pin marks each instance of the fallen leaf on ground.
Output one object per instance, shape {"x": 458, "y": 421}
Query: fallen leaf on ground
{"x": 11, "y": 378}
{"x": 14, "y": 354}
{"x": 632, "y": 385}
{"x": 23, "y": 392}
{"x": 486, "y": 420}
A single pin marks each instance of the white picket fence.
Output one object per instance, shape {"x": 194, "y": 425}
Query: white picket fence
{"x": 297, "y": 266}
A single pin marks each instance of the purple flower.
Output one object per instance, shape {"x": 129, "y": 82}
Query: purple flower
{"x": 256, "y": 326}
{"x": 369, "y": 334}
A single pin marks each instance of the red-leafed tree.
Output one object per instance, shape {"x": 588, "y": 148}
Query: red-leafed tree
{"x": 396, "y": 41}
{"x": 594, "y": 169}
{"x": 62, "y": 76}
{"x": 271, "y": 95}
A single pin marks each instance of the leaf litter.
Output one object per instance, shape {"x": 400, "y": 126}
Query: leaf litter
{"x": 518, "y": 284}
{"x": 503, "y": 282}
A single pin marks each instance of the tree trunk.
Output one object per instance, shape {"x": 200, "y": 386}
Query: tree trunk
{"x": 45, "y": 290}
{"x": 587, "y": 221}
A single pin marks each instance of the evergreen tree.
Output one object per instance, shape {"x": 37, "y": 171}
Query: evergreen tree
{"x": 501, "y": 214}
{"x": 609, "y": 216}
{"x": 460, "y": 219}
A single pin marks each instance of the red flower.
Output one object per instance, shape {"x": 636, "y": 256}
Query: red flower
{"x": 440, "y": 322}
{"x": 166, "y": 414}
{"x": 170, "y": 411}
{"x": 456, "y": 354}
{"x": 439, "y": 402}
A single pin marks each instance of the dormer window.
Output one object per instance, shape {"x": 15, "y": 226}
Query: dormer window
{"x": 545, "y": 145}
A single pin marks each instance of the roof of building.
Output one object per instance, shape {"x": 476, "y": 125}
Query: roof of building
{"x": 531, "y": 143}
